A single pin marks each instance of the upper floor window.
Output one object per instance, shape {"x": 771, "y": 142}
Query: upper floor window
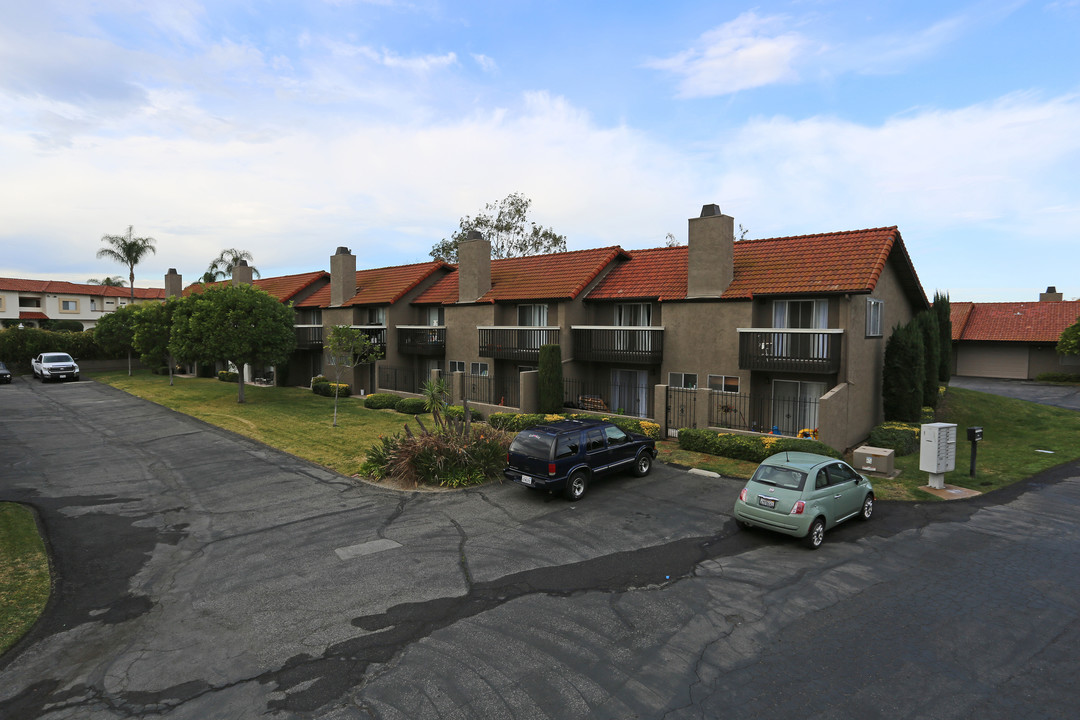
{"x": 682, "y": 380}
{"x": 801, "y": 314}
{"x": 633, "y": 314}
{"x": 69, "y": 306}
{"x": 435, "y": 316}
{"x": 308, "y": 316}
{"x": 533, "y": 315}
{"x": 875, "y": 310}
{"x": 373, "y": 316}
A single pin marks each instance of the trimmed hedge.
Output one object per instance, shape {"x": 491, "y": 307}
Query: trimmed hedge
{"x": 753, "y": 448}
{"x": 410, "y": 406}
{"x": 326, "y": 389}
{"x": 516, "y": 422}
{"x": 228, "y": 376}
{"x": 457, "y": 412}
{"x": 381, "y": 401}
{"x": 900, "y": 437}
{"x": 1058, "y": 377}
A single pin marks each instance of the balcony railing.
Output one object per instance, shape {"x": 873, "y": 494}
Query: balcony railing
{"x": 802, "y": 351}
{"x": 421, "y": 339}
{"x": 516, "y": 343}
{"x": 639, "y": 345}
{"x": 376, "y": 334}
{"x": 308, "y": 336}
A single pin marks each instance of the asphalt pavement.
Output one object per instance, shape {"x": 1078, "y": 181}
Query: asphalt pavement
{"x": 202, "y": 575}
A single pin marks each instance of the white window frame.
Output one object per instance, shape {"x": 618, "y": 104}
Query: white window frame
{"x": 479, "y": 369}
{"x": 682, "y": 378}
{"x": 721, "y": 383}
{"x": 456, "y": 366}
{"x": 875, "y": 316}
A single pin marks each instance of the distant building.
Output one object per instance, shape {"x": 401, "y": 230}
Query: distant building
{"x": 34, "y": 302}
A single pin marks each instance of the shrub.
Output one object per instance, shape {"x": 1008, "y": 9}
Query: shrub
{"x": 903, "y": 374}
{"x": 550, "y": 379}
{"x": 443, "y": 458}
{"x": 380, "y": 401}
{"x": 228, "y": 376}
{"x": 326, "y": 389}
{"x": 901, "y": 437}
{"x": 319, "y": 379}
{"x": 457, "y": 412}
{"x": 1058, "y": 377}
{"x": 516, "y": 422}
{"x": 410, "y": 406}
{"x": 752, "y": 448}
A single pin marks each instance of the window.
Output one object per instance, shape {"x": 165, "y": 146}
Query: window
{"x": 93, "y": 305}
{"x": 1, "y": 303}
{"x": 633, "y": 314}
{"x": 594, "y": 441}
{"x": 874, "y": 311}
{"x": 435, "y": 316}
{"x": 29, "y": 302}
{"x": 840, "y": 474}
{"x": 478, "y": 368}
{"x": 724, "y": 383}
{"x": 69, "y": 306}
{"x": 801, "y": 314}
{"x": 532, "y": 315}
{"x": 682, "y": 380}
{"x": 309, "y": 316}
{"x": 615, "y": 436}
{"x": 567, "y": 446}
{"x": 457, "y": 366}
{"x": 373, "y": 316}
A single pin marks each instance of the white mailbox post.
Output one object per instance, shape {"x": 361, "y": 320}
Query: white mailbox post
{"x": 937, "y": 454}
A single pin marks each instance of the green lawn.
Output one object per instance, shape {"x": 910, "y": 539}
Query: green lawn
{"x": 292, "y": 419}
{"x": 24, "y": 573}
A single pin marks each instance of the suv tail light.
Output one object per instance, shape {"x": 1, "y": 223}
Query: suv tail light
{"x": 551, "y": 469}
{"x": 742, "y": 495}
{"x": 797, "y": 508}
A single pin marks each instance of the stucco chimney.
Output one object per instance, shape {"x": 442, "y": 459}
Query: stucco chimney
{"x": 342, "y": 277}
{"x": 474, "y": 267}
{"x": 242, "y": 273}
{"x": 174, "y": 284}
{"x": 711, "y": 241}
{"x": 1051, "y": 295}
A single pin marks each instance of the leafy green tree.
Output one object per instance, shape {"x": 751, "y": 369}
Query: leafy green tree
{"x": 1069, "y": 342}
{"x": 111, "y": 281}
{"x": 127, "y": 250}
{"x": 347, "y": 347}
{"x": 926, "y": 324}
{"x": 944, "y": 320}
{"x": 903, "y": 375}
{"x": 550, "y": 379}
{"x": 242, "y": 325}
{"x": 115, "y": 332}
{"x": 506, "y": 224}
{"x": 151, "y": 332}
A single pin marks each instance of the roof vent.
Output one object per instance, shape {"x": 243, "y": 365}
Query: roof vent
{"x": 710, "y": 210}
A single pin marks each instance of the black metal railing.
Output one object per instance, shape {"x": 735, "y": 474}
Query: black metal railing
{"x": 762, "y": 413}
{"x": 377, "y": 336}
{"x": 491, "y": 390}
{"x": 308, "y": 336}
{"x": 516, "y": 343}
{"x": 615, "y": 344}
{"x": 790, "y": 351}
{"x": 607, "y": 397}
{"x": 402, "y": 379}
{"x": 414, "y": 340}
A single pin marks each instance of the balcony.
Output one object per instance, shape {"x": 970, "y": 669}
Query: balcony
{"x": 421, "y": 339}
{"x": 798, "y": 351}
{"x": 308, "y": 336}
{"x": 376, "y": 334}
{"x": 516, "y": 343}
{"x": 637, "y": 345}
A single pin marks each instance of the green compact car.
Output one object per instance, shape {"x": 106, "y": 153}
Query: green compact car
{"x": 803, "y": 495}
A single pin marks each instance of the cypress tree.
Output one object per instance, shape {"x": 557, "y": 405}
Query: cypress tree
{"x": 926, "y": 323}
{"x": 944, "y": 321}
{"x": 902, "y": 375}
{"x": 550, "y": 379}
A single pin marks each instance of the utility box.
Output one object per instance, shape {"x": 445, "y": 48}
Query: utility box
{"x": 937, "y": 453}
{"x": 874, "y": 459}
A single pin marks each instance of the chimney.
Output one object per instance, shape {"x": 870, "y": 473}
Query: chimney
{"x": 241, "y": 273}
{"x": 474, "y": 267}
{"x": 1051, "y": 295}
{"x": 711, "y": 264}
{"x": 174, "y": 284}
{"x": 342, "y": 277}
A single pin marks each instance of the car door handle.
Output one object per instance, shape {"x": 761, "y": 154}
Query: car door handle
{"x": 838, "y": 496}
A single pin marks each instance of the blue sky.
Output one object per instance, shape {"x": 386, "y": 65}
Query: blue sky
{"x": 291, "y": 128}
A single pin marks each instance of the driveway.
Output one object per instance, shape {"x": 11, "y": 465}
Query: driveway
{"x": 202, "y": 575}
{"x": 1062, "y": 396}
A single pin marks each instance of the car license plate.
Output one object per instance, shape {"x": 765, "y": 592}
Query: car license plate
{"x": 62, "y": 376}
{"x": 526, "y": 480}
{"x": 766, "y": 502}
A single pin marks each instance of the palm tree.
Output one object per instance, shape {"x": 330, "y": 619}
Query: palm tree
{"x": 111, "y": 281}
{"x": 127, "y": 250}
{"x": 223, "y": 264}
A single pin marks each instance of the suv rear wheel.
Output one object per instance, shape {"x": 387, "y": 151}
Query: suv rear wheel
{"x": 576, "y": 486}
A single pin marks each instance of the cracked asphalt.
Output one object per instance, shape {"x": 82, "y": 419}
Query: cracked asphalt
{"x": 202, "y": 575}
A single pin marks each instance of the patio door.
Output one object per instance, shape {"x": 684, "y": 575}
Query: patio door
{"x": 630, "y": 392}
{"x": 795, "y": 405}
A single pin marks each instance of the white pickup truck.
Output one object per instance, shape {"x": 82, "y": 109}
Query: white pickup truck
{"x": 54, "y": 366}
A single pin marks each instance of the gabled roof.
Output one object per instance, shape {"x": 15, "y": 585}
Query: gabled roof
{"x": 380, "y": 286}
{"x": 60, "y": 287}
{"x": 840, "y": 262}
{"x": 283, "y": 287}
{"x": 1012, "y": 321}
{"x": 558, "y": 276}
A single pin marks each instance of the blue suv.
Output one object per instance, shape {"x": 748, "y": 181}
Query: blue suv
{"x": 567, "y": 454}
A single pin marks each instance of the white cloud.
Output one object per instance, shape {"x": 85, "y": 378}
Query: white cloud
{"x": 486, "y": 63}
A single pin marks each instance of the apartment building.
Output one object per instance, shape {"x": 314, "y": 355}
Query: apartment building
{"x": 33, "y": 303}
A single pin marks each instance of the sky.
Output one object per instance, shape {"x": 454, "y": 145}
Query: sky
{"x": 290, "y": 128}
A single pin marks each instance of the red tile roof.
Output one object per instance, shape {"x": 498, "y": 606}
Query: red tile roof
{"x": 558, "y": 276}
{"x": 283, "y": 287}
{"x": 1013, "y": 321}
{"x": 806, "y": 264}
{"x": 380, "y": 286}
{"x": 60, "y": 287}
{"x": 32, "y": 315}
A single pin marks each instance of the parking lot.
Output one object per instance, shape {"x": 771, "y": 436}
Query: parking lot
{"x": 203, "y": 575}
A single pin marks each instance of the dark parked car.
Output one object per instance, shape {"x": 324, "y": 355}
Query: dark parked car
{"x": 567, "y": 454}
{"x": 5, "y": 374}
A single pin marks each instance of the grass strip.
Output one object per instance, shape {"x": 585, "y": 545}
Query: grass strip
{"x": 24, "y": 573}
